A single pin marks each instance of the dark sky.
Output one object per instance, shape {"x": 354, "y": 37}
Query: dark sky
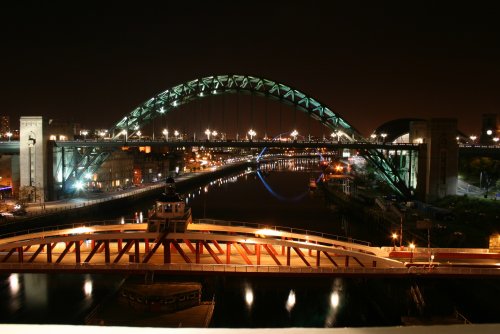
{"x": 370, "y": 61}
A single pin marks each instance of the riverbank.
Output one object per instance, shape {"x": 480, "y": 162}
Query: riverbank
{"x": 88, "y": 203}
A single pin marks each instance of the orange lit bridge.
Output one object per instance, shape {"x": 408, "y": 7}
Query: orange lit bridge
{"x": 209, "y": 246}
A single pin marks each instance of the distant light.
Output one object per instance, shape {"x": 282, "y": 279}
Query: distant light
{"x": 78, "y": 185}
{"x": 161, "y": 111}
{"x": 88, "y": 175}
{"x": 489, "y": 132}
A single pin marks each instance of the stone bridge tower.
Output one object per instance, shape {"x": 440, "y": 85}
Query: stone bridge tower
{"x": 33, "y": 148}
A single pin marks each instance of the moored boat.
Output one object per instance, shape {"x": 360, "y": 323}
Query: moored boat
{"x": 170, "y": 212}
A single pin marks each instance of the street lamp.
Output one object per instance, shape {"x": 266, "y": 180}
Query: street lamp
{"x": 208, "y": 132}
{"x": 412, "y": 248}
{"x": 373, "y": 136}
{"x": 85, "y": 133}
{"x": 383, "y": 135}
{"x": 394, "y": 237}
{"x": 495, "y": 140}
{"x": 473, "y": 138}
{"x": 139, "y": 133}
{"x": 214, "y": 134}
{"x": 9, "y": 134}
{"x": 124, "y": 133}
{"x": 294, "y": 134}
{"x": 176, "y": 134}
{"x": 251, "y": 133}
{"x": 489, "y": 132}
{"x": 165, "y": 133}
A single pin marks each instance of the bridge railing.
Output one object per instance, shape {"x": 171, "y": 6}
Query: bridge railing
{"x": 261, "y": 269}
{"x": 285, "y": 229}
{"x": 69, "y": 226}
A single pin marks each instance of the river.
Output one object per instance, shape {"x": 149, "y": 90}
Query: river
{"x": 278, "y": 195}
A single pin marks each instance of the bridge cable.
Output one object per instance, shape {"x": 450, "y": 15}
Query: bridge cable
{"x": 266, "y": 111}
{"x": 237, "y": 114}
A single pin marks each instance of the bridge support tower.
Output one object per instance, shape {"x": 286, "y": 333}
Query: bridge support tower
{"x": 438, "y": 157}
{"x": 33, "y": 148}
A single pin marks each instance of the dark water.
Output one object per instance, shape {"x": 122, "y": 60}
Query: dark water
{"x": 279, "y": 195}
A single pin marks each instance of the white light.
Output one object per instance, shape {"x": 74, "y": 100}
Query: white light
{"x": 78, "y": 185}
{"x": 489, "y": 132}
{"x": 334, "y": 299}
{"x": 80, "y": 230}
{"x": 290, "y": 302}
{"x": 161, "y": 111}
{"x": 248, "y": 297}
{"x": 122, "y": 221}
{"x": 88, "y": 175}
{"x": 268, "y": 232}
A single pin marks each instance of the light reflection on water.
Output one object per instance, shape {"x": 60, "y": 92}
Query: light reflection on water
{"x": 52, "y": 299}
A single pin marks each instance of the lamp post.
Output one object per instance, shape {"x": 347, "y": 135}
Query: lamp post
{"x": 495, "y": 139}
{"x": 294, "y": 134}
{"x": 176, "y": 134}
{"x": 208, "y": 132}
{"x": 394, "y": 237}
{"x": 412, "y": 248}
{"x": 430, "y": 261}
{"x": 165, "y": 133}
{"x": 125, "y": 134}
{"x": 383, "y": 135}
{"x": 473, "y": 138}
{"x": 373, "y": 136}
{"x": 85, "y": 133}
{"x": 251, "y": 133}
{"x": 214, "y": 134}
{"x": 9, "y": 134}
{"x": 139, "y": 133}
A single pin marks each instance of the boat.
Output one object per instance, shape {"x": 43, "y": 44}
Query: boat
{"x": 170, "y": 213}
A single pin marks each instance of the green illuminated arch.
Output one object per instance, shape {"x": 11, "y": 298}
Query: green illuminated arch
{"x": 227, "y": 84}
{"x": 236, "y": 84}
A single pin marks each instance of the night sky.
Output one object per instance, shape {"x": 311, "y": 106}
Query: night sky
{"x": 370, "y": 61}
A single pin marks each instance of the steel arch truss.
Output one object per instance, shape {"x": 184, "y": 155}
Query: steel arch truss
{"x": 223, "y": 84}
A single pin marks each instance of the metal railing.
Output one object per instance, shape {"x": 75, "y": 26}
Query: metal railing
{"x": 304, "y": 232}
{"x": 263, "y": 269}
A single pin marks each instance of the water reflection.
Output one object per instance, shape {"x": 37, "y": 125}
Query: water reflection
{"x": 290, "y": 302}
{"x": 249, "y": 296}
{"x": 14, "y": 284}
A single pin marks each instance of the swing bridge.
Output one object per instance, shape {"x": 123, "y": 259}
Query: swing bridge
{"x": 221, "y": 247}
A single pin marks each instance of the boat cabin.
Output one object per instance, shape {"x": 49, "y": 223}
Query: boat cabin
{"x": 170, "y": 212}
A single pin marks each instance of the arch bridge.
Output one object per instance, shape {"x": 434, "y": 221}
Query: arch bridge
{"x": 90, "y": 158}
